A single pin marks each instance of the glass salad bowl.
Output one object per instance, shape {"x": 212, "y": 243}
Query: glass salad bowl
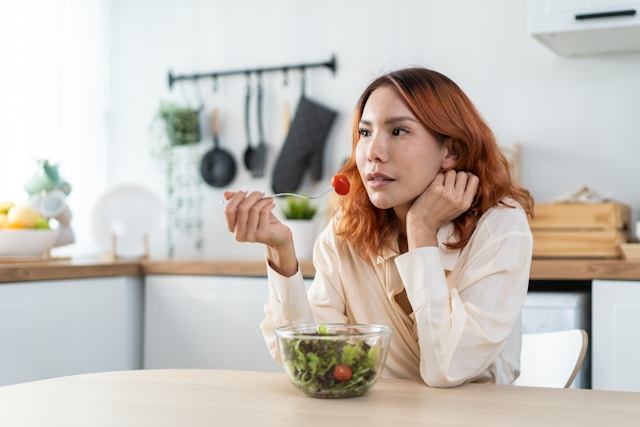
{"x": 334, "y": 360}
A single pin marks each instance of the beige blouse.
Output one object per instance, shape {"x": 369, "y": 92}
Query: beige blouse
{"x": 466, "y": 320}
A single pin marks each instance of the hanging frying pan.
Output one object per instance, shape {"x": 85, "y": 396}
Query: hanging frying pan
{"x": 218, "y": 167}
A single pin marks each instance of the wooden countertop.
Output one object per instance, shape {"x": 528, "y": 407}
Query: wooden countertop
{"x": 77, "y": 269}
{"x": 199, "y": 397}
{"x": 570, "y": 269}
{"x": 67, "y": 269}
{"x": 584, "y": 269}
{"x": 216, "y": 267}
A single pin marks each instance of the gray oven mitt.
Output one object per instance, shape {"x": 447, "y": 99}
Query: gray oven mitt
{"x": 303, "y": 147}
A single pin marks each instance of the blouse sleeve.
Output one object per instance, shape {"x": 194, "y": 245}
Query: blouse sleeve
{"x": 288, "y": 301}
{"x": 287, "y": 304}
{"x": 462, "y": 326}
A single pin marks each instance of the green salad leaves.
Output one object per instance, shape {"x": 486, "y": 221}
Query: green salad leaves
{"x": 320, "y": 367}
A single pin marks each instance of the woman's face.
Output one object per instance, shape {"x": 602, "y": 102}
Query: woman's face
{"x": 397, "y": 156}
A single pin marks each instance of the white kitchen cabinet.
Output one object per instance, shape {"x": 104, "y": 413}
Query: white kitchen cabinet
{"x": 586, "y": 27}
{"x": 615, "y": 324}
{"x": 205, "y": 322}
{"x": 63, "y": 327}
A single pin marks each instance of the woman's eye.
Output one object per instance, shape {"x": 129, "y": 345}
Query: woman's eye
{"x": 364, "y": 132}
{"x": 399, "y": 131}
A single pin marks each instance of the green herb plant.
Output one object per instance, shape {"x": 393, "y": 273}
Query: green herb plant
{"x": 174, "y": 135}
{"x": 181, "y": 123}
{"x": 297, "y": 208}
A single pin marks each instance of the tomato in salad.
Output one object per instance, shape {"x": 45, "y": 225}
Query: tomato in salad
{"x": 342, "y": 373}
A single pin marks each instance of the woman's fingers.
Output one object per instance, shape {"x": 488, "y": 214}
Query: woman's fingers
{"x": 238, "y": 207}
{"x": 458, "y": 188}
{"x": 471, "y": 188}
{"x": 456, "y": 184}
{"x": 252, "y": 224}
{"x": 243, "y": 214}
{"x": 250, "y": 218}
{"x": 231, "y": 208}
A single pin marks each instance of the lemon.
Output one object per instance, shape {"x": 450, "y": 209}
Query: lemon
{"x": 3, "y": 220}
{"x": 21, "y": 216}
{"x": 5, "y": 206}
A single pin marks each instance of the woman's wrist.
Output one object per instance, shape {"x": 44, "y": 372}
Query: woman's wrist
{"x": 283, "y": 259}
{"x": 421, "y": 235}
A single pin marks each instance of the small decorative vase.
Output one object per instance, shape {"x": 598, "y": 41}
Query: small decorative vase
{"x": 304, "y": 236}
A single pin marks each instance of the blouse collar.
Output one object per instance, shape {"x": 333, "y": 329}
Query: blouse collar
{"x": 449, "y": 257}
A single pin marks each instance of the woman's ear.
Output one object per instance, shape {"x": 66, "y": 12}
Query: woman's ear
{"x": 449, "y": 154}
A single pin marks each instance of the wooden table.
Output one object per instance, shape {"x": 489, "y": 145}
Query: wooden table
{"x": 240, "y": 398}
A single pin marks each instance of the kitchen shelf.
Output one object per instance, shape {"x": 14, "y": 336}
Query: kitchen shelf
{"x": 330, "y": 64}
{"x": 586, "y": 27}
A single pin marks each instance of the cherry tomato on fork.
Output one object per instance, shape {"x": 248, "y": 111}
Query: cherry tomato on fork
{"x": 342, "y": 372}
{"x": 341, "y": 184}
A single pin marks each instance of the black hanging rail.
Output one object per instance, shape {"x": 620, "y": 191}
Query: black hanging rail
{"x": 331, "y": 64}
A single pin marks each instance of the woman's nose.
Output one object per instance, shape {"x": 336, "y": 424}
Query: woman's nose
{"x": 377, "y": 150}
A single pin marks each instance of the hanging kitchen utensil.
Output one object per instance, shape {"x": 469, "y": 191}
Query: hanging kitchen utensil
{"x": 303, "y": 147}
{"x": 286, "y": 117}
{"x": 218, "y": 167}
{"x": 260, "y": 154}
{"x": 249, "y": 151}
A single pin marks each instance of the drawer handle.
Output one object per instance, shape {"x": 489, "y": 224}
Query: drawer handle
{"x": 611, "y": 14}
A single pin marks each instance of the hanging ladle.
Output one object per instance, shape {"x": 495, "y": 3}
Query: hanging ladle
{"x": 260, "y": 153}
{"x": 249, "y": 152}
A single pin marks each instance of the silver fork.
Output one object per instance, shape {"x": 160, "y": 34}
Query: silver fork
{"x": 315, "y": 196}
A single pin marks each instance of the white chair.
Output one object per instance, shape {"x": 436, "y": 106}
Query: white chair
{"x": 552, "y": 359}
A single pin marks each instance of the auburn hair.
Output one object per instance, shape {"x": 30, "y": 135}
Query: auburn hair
{"x": 446, "y": 111}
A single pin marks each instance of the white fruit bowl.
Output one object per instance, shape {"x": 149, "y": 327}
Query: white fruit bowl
{"x": 26, "y": 242}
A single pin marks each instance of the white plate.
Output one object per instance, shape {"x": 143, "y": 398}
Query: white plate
{"x": 125, "y": 219}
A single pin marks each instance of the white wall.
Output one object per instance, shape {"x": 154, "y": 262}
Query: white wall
{"x": 53, "y": 96}
{"x": 576, "y": 118}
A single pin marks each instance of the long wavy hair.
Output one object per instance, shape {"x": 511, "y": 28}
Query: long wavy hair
{"x": 446, "y": 111}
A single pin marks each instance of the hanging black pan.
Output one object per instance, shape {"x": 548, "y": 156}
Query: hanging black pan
{"x": 218, "y": 167}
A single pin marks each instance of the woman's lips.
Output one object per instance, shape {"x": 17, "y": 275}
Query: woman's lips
{"x": 378, "y": 180}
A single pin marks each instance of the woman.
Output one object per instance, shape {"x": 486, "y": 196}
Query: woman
{"x": 432, "y": 239}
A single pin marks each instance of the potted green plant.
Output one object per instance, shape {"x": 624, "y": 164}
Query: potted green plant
{"x": 175, "y": 134}
{"x": 299, "y": 214}
{"x": 181, "y": 123}
{"x": 296, "y": 208}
